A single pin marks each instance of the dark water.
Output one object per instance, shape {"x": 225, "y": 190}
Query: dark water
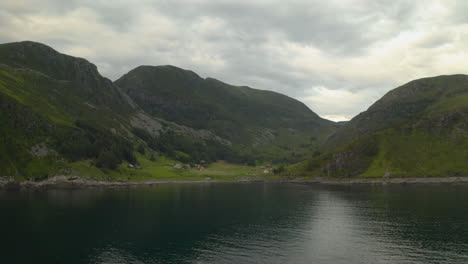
{"x": 237, "y": 223}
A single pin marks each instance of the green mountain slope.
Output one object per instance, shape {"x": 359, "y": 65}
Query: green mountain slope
{"x": 57, "y": 109}
{"x": 262, "y": 123}
{"x": 418, "y": 129}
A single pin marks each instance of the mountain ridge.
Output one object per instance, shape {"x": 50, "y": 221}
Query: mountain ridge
{"x": 60, "y": 116}
{"x": 244, "y": 115}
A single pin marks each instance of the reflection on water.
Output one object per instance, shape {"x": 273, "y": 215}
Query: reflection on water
{"x": 237, "y": 223}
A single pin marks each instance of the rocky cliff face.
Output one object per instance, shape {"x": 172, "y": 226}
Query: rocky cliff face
{"x": 452, "y": 123}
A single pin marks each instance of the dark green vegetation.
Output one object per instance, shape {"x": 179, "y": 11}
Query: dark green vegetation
{"x": 59, "y": 116}
{"x": 57, "y": 109}
{"x": 419, "y": 129}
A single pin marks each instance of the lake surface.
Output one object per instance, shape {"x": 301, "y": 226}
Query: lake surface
{"x": 237, "y": 223}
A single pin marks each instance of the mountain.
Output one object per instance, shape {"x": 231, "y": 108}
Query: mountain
{"x": 59, "y": 116}
{"x": 263, "y": 123}
{"x": 418, "y": 129}
{"x": 78, "y": 78}
{"x": 57, "y": 109}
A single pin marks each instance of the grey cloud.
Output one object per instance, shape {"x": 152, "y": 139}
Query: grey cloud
{"x": 305, "y": 22}
{"x": 311, "y": 50}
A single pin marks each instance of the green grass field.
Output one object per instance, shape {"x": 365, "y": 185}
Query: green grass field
{"x": 163, "y": 170}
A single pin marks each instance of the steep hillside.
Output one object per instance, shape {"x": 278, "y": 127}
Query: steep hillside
{"x": 261, "y": 122}
{"x": 418, "y": 129}
{"x": 57, "y": 109}
{"x": 403, "y": 104}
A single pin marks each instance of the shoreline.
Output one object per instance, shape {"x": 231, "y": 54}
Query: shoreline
{"x": 385, "y": 181}
{"x": 70, "y": 182}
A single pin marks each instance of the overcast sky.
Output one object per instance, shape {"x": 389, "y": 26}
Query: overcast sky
{"x": 336, "y": 56}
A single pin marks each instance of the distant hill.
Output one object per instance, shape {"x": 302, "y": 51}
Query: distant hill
{"x": 418, "y": 129}
{"x": 257, "y": 121}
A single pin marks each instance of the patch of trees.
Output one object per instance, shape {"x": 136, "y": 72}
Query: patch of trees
{"x": 279, "y": 170}
{"x": 90, "y": 141}
{"x": 291, "y": 159}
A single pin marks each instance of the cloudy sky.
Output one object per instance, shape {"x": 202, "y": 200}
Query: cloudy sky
{"x": 336, "y": 56}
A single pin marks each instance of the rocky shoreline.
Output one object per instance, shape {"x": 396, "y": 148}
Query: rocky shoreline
{"x": 69, "y": 182}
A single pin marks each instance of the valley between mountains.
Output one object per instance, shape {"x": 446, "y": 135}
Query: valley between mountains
{"x": 60, "y": 117}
